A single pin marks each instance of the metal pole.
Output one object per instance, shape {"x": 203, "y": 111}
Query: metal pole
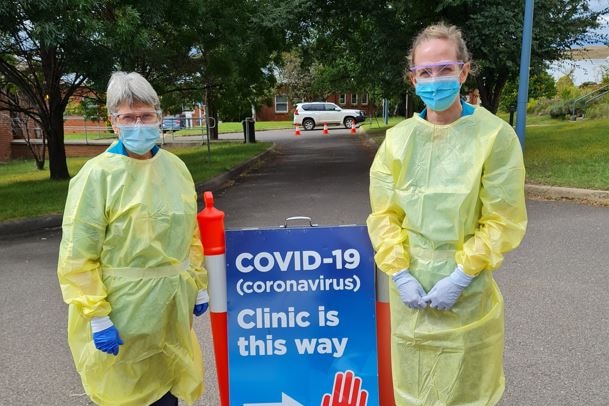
{"x": 385, "y": 111}
{"x": 84, "y": 120}
{"x": 207, "y": 126}
{"x": 525, "y": 63}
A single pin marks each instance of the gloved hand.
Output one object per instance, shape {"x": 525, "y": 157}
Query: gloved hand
{"x": 105, "y": 335}
{"x": 411, "y": 291}
{"x": 447, "y": 290}
{"x": 201, "y": 303}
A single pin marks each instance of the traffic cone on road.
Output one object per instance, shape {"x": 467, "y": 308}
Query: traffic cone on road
{"x": 297, "y": 131}
{"x": 211, "y": 229}
{"x": 325, "y": 131}
{"x": 353, "y": 129}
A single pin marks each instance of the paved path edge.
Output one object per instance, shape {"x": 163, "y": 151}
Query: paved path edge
{"x": 585, "y": 196}
{"x": 215, "y": 184}
{"x": 545, "y": 192}
{"x": 219, "y": 182}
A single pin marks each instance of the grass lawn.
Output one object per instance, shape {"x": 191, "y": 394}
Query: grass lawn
{"x": 88, "y": 136}
{"x": 26, "y": 191}
{"x": 560, "y": 153}
{"x": 375, "y": 128}
{"x": 224, "y": 128}
{"x": 237, "y": 127}
{"x": 568, "y": 153}
{"x": 557, "y": 152}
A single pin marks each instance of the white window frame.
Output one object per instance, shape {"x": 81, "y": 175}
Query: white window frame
{"x": 364, "y": 99}
{"x": 342, "y": 99}
{"x": 354, "y": 103}
{"x": 287, "y": 104}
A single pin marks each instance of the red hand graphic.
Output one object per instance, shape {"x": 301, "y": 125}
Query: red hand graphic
{"x": 346, "y": 392}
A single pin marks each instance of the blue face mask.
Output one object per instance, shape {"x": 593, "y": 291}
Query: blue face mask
{"x": 139, "y": 138}
{"x": 438, "y": 93}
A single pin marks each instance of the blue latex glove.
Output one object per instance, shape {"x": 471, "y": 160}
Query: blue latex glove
{"x": 447, "y": 290}
{"x": 105, "y": 335}
{"x": 411, "y": 291}
{"x": 201, "y": 303}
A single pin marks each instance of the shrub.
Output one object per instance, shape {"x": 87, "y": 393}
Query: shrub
{"x": 557, "y": 111}
{"x": 541, "y": 107}
{"x": 562, "y": 109}
{"x": 598, "y": 111}
{"x": 531, "y": 105}
{"x": 566, "y": 89}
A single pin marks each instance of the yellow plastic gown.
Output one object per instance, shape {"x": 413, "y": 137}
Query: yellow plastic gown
{"x": 443, "y": 195}
{"x": 131, "y": 250}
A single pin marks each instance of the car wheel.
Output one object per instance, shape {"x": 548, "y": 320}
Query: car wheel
{"x": 348, "y": 122}
{"x": 308, "y": 124}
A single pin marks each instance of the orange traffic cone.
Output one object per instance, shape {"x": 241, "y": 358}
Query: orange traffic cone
{"x": 353, "y": 130}
{"x": 297, "y": 131}
{"x": 325, "y": 131}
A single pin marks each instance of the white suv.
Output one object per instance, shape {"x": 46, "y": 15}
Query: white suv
{"x": 309, "y": 115}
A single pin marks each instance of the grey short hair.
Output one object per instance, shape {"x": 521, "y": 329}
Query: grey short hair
{"x": 131, "y": 88}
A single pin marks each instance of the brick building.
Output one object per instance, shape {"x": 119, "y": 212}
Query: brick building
{"x": 6, "y": 136}
{"x": 282, "y": 109}
{"x": 13, "y": 144}
{"x": 14, "y": 131}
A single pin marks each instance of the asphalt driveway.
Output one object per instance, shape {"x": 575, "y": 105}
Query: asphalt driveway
{"x": 555, "y": 285}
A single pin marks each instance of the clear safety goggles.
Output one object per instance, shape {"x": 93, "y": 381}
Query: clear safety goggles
{"x": 144, "y": 117}
{"x": 438, "y": 69}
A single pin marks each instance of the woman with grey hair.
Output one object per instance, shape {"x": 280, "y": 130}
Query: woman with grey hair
{"x": 131, "y": 262}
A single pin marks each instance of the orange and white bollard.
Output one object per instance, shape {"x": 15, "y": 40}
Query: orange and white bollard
{"x": 297, "y": 130}
{"x": 353, "y": 129}
{"x": 383, "y": 339}
{"x": 211, "y": 227}
{"x": 325, "y": 131}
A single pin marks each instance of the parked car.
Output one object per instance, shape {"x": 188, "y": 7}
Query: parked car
{"x": 171, "y": 124}
{"x": 312, "y": 114}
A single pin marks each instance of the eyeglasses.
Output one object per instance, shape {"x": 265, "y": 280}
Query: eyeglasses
{"x": 437, "y": 69}
{"x": 144, "y": 117}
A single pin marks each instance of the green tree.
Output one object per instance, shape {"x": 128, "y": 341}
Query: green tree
{"x": 605, "y": 75}
{"x": 239, "y": 46}
{"x": 295, "y": 77}
{"x": 565, "y": 88}
{"x": 74, "y": 108}
{"x": 156, "y": 40}
{"x": 377, "y": 35}
{"x": 541, "y": 84}
{"x": 41, "y": 44}
{"x": 51, "y": 48}
{"x": 494, "y": 34}
{"x": 358, "y": 48}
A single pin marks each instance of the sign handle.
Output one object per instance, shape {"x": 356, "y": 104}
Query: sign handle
{"x": 298, "y": 218}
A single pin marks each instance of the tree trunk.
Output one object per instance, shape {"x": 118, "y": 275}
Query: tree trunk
{"x": 490, "y": 87}
{"x": 52, "y": 105}
{"x": 212, "y": 110}
{"x": 57, "y": 152}
{"x": 40, "y": 162}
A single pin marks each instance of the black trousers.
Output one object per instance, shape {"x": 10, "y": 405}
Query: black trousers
{"x": 167, "y": 400}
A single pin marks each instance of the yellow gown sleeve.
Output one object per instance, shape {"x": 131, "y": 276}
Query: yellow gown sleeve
{"x": 389, "y": 239}
{"x": 84, "y": 229}
{"x": 503, "y": 217}
{"x": 197, "y": 269}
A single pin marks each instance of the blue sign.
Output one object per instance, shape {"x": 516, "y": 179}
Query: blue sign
{"x": 301, "y": 317}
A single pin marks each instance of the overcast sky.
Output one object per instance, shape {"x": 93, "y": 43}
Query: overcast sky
{"x": 588, "y": 69}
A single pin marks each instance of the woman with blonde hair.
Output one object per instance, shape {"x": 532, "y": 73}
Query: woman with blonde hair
{"x": 447, "y": 199}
